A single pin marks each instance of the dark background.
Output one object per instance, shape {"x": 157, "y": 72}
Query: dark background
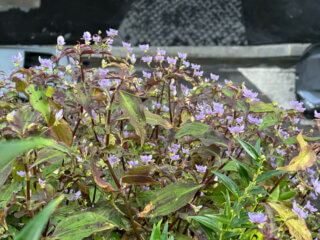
{"x": 167, "y": 22}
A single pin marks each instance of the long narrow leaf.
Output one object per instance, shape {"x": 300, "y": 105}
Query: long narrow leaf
{"x": 231, "y": 185}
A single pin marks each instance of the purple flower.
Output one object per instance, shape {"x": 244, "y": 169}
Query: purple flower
{"x": 296, "y": 120}
{"x": 218, "y": 108}
{"x": 201, "y": 169}
{"x": 96, "y": 38}
{"x": 146, "y": 74}
{"x": 257, "y": 217}
{"x": 1, "y": 94}
{"x": 214, "y": 77}
{"x": 79, "y": 159}
{"x": 182, "y": 55}
{"x": 87, "y": 37}
{"x": 145, "y": 188}
{"x": 76, "y": 195}
{"x": 254, "y": 120}
{"x": 59, "y": 114}
{"x": 47, "y": 63}
{"x": 93, "y": 114}
{"x": 133, "y": 59}
{"x": 175, "y": 157}
{"x": 127, "y": 46}
{"x": 174, "y": 149}
{"x": 133, "y": 163}
{"x": 227, "y": 82}
{"x": 252, "y": 96}
{"x": 159, "y": 58}
{"x": 165, "y": 108}
{"x": 161, "y": 52}
{"x": 146, "y": 59}
{"x": 144, "y": 47}
{"x": 60, "y": 41}
{"x": 298, "y": 106}
{"x": 316, "y": 186}
{"x": 239, "y": 120}
{"x": 316, "y": 114}
{"x": 17, "y": 59}
{"x": 171, "y": 60}
{"x": 146, "y": 158}
{"x": 156, "y": 105}
{"x": 41, "y": 182}
{"x": 236, "y": 129}
{"x": 313, "y": 196}
{"x": 105, "y": 83}
{"x": 186, "y": 63}
{"x": 195, "y": 66}
{"x": 185, "y": 151}
{"x": 299, "y": 210}
{"x": 280, "y": 152}
{"x": 198, "y": 73}
{"x": 273, "y": 164}
{"x": 112, "y": 32}
{"x": 21, "y": 173}
{"x": 113, "y": 160}
{"x": 310, "y": 207}
{"x": 161, "y": 138}
{"x": 103, "y": 72}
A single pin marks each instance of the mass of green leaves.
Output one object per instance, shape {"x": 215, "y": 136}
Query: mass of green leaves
{"x": 111, "y": 153}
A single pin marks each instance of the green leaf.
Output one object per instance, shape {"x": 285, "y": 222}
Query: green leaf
{"x": 38, "y": 100}
{"x": 32, "y": 231}
{"x": 274, "y": 196}
{"x": 287, "y": 195}
{"x": 227, "y": 92}
{"x": 12, "y": 149}
{"x": 249, "y": 149}
{"x": 195, "y": 128}
{"x": 48, "y": 155}
{"x": 156, "y": 232}
{"x": 139, "y": 180}
{"x": 81, "y": 225}
{"x": 170, "y": 199}
{"x": 243, "y": 174}
{"x": 233, "y": 188}
{"x": 132, "y": 107}
{"x": 260, "y": 107}
{"x": 6, "y": 192}
{"x": 62, "y": 132}
{"x": 257, "y": 146}
{"x": 155, "y": 119}
{"x": 212, "y": 137}
{"x": 208, "y": 222}
{"x": 164, "y": 235}
{"x": 271, "y": 119}
{"x": 269, "y": 174}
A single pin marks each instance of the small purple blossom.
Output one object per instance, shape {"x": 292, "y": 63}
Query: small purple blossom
{"x": 146, "y": 158}
{"x": 313, "y": 196}
{"x": 79, "y": 159}
{"x": 218, "y": 108}
{"x": 227, "y": 82}
{"x": 252, "y": 96}
{"x": 280, "y": 152}
{"x": 145, "y": 188}
{"x": 60, "y": 41}
{"x": 17, "y": 59}
{"x": 298, "y": 105}
{"x": 59, "y": 114}
{"x": 133, "y": 163}
{"x": 182, "y": 55}
{"x": 133, "y": 59}
{"x": 165, "y": 108}
{"x": 201, "y": 169}
{"x": 41, "y": 182}
{"x": 175, "y": 157}
{"x": 96, "y": 38}
{"x": 316, "y": 186}
{"x": 87, "y": 37}
{"x": 239, "y": 120}
{"x": 113, "y": 160}
{"x": 253, "y": 120}
{"x": 161, "y": 52}
{"x": 146, "y": 59}
{"x": 186, "y": 63}
{"x": 198, "y": 73}
{"x": 156, "y": 105}
{"x": 146, "y": 74}
{"x": 105, "y": 83}
{"x": 299, "y": 210}
{"x": 257, "y": 217}
{"x": 47, "y": 63}
{"x": 112, "y": 32}
{"x": 172, "y": 61}
{"x": 185, "y": 151}
{"x": 195, "y": 66}
{"x": 159, "y": 58}
{"x": 103, "y": 72}
{"x": 316, "y": 114}
{"x": 310, "y": 207}
{"x": 21, "y": 173}
{"x": 144, "y": 47}
{"x": 214, "y": 77}
{"x": 127, "y": 46}
{"x": 94, "y": 114}
{"x": 236, "y": 129}
{"x": 76, "y": 195}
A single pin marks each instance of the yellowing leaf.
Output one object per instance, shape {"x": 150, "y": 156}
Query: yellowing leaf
{"x": 104, "y": 185}
{"x": 154, "y": 119}
{"x": 306, "y": 158}
{"x": 62, "y": 132}
{"x": 297, "y": 226}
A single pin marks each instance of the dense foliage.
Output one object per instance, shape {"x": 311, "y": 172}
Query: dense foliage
{"x": 108, "y": 154}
